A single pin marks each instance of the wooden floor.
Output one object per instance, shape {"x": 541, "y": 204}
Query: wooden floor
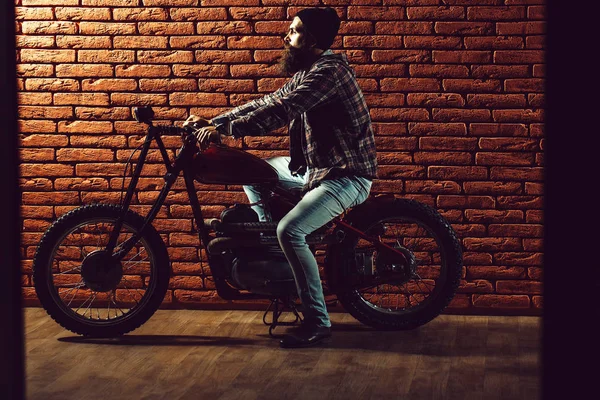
{"x": 194, "y": 354}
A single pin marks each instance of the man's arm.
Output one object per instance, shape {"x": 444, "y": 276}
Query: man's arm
{"x": 222, "y": 121}
{"x": 317, "y": 87}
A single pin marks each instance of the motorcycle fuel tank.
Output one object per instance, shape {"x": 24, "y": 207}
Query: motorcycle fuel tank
{"x": 224, "y": 165}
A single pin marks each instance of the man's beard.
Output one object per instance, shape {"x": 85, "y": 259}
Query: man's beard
{"x": 295, "y": 59}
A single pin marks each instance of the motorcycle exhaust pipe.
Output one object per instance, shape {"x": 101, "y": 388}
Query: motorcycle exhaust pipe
{"x": 238, "y": 227}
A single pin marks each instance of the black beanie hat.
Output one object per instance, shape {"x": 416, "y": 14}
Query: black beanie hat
{"x": 321, "y": 23}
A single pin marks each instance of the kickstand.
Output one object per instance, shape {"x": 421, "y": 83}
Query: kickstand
{"x": 278, "y": 307}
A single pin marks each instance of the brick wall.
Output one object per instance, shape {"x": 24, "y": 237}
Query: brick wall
{"x": 455, "y": 89}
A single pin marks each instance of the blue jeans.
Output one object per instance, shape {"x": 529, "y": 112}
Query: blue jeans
{"x": 318, "y": 206}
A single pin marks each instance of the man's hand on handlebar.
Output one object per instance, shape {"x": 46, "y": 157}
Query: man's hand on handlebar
{"x": 205, "y": 133}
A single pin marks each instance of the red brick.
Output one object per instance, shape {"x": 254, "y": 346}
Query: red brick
{"x": 106, "y": 28}
{"x": 518, "y": 144}
{"x": 496, "y": 13}
{"x": 435, "y": 13}
{"x": 140, "y": 14}
{"x": 517, "y": 287}
{"x": 438, "y": 71}
{"x": 254, "y": 70}
{"x": 520, "y": 202}
{"x": 49, "y": 27}
{"x": 226, "y": 85}
{"x": 164, "y": 56}
{"x": 498, "y": 158}
{"x": 36, "y": 170}
{"x": 196, "y": 14}
{"x": 201, "y": 70}
{"x": 34, "y": 41}
{"x": 524, "y": 85}
{"x": 534, "y": 188}
{"x": 462, "y": 56}
{"x": 466, "y": 202}
{"x": 84, "y": 70}
{"x": 516, "y": 230}
{"x": 82, "y": 14}
{"x": 36, "y": 211}
{"x": 500, "y": 71}
{"x": 53, "y": 197}
{"x": 137, "y": 99}
{"x": 83, "y": 42}
{"x": 201, "y": 99}
{"x": 108, "y": 141}
{"x": 45, "y": 112}
{"x": 167, "y": 85}
{"x": 447, "y": 143}
{"x": 355, "y": 27}
{"x": 141, "y": 42}
{"x": 496, "y": 100}
{"x": 410, "y": 84}
{"x": 379, "y": 70}
{"x": 476, "y": 258}
{"x": 401, "y": 171}
{"x": 437, "y": 129}
{"x": 401, "y": 56}
{"x": 90, "y": 99}
{"x": 147, "y": 71}
{"x": 399, "y": 114}
{"x": 508, "y": 130}
{"x": 85, "y": 155}
{"x": 224, "y": 56}
{"x": 493, "y": 244}
{"x": 432, "y": 42}
{"x": 37, "y": 140}
{"x": 31, "y": 155}
{"x": 464, "y": 28}
{"x": 108, "y": 85}
{"x": 495, "y": 272}
{"x": 534, "y": 216}
{"x": 38, "y": 55}
{"x": 457, "y": 173}
{"x": 442, "y": 158}
{"x": 373, "y": 41}
{"x": 492, "y": 187}
{"x": 30, "y": 13}
{"x": 424, "y": 186}
{"x": 535, "y": 42}
{"x": 524, "y": 115}
{"x": 384, "y": 99}
{"x": 500, "y": 301}
{"x": 257, "y": 13}
{"x": 36, "y": 126}
{"x": 494, "y": 42}
{"x": 518, "y": 56}
{"x": 476, "y": 286}
{"x": 460, "y": 115}
{"x": 517, "y": 173}
{"x": 536, "y": 12}
{"x": 520, "y": 28}
{"x": 34, "y": 70}
{"x": 505, "y": 216}
{"x": 80, "y": 183}
{"x": 374, "y": 13}
{"x": 254, "y": 42}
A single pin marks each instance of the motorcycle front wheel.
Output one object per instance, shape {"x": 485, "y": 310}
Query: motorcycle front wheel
{"x": 87, "y": 291}
{"x": 406, "y": 297}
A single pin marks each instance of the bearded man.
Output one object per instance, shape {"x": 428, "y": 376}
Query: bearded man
{"x": 332, "y": 151}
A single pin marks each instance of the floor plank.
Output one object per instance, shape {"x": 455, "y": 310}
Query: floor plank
{"x": 192, "y": 354}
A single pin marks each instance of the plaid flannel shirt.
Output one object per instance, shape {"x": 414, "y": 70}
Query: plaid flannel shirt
{"x": 327, "y": 116}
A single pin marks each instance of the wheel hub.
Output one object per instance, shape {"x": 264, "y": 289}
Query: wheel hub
{"x": 391, "y": 265}
{"x": 101, "y": 272}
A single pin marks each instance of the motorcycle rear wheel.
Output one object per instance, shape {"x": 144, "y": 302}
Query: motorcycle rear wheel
{"x": 414, "y": 300}
{"x": 83, "y": 289}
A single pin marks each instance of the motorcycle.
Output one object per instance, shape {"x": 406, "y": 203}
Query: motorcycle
{"x": 103, "y": 270}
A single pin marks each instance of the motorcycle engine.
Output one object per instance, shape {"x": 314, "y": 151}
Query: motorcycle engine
{"x": 261, "y": 269}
